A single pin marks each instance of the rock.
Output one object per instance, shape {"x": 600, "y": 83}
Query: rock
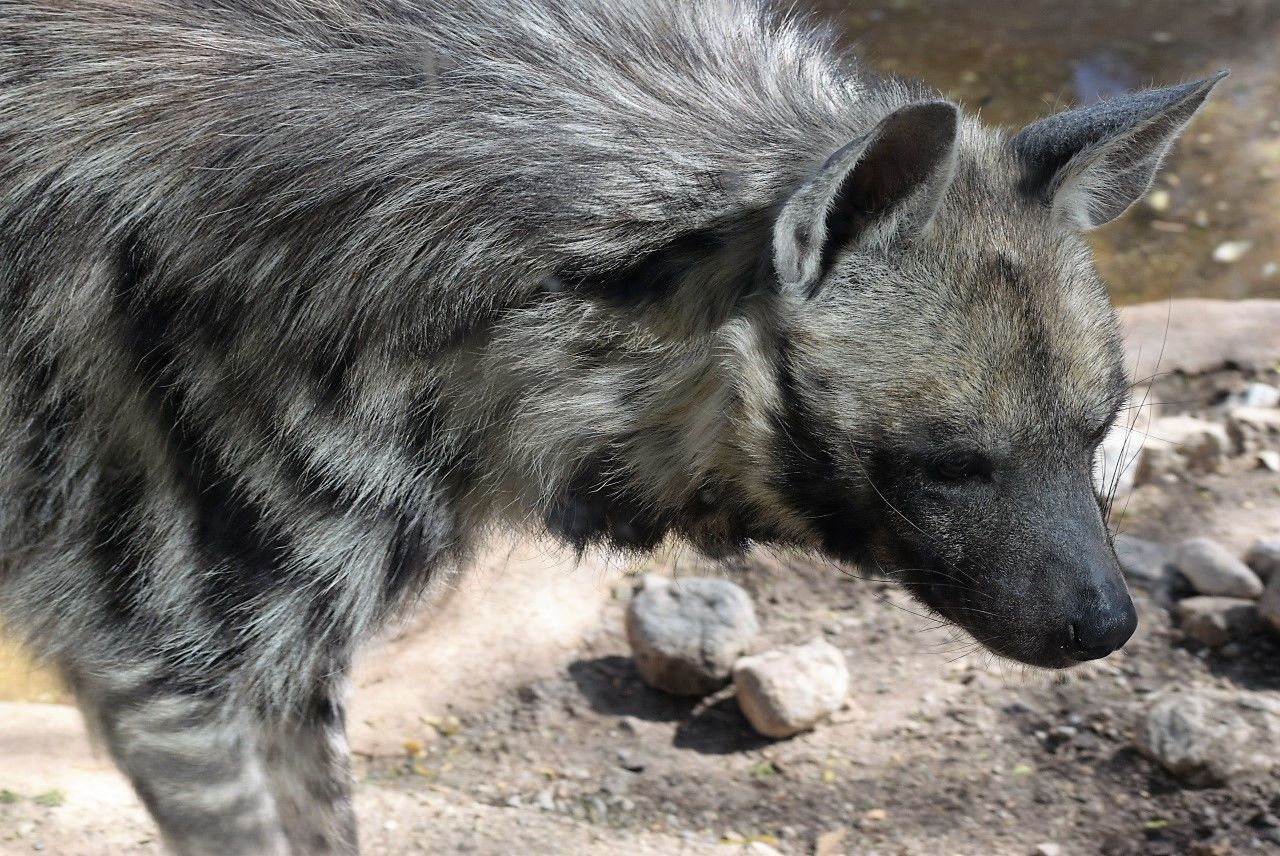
{"x": 1212, "y": 570}
{"x": 1176, "y": 444}
{"x": 1144, "y": 563}
{"x": 634, "y": 762}
{"x": 1269, "y": 459}
{"x": 1269, "y": 605}
{"x": 787, "y": 690}
{"x": 1200, "y": 336}
{"x": 760, "y": 848}
{"x": 1264, "y": 557}
{"x": 1209, "y": 737}
{"x": 1254, "y": 429}
{"x": 1215, "y": 621}
{"x": 831, "y": 843}
{"x": 1229, "y": 252}
{"x": 1116, "y": 463}
{"x": 1048, "y": 848}
{"x": 1259, "y": 395}
{"x": 686, "y": 634}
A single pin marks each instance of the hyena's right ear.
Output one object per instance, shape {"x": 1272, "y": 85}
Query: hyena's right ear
{"x": 885, "y": 183}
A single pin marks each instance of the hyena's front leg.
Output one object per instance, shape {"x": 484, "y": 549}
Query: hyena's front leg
{"x": 309, "y": 768}
{"x": 194, "y": 760}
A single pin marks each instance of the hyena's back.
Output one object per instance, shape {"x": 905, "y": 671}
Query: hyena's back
{"x": 247, "y": 252}
{"x": 242, "y": 247}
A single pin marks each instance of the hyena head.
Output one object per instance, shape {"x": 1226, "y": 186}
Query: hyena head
{"x": 949, "y": 363}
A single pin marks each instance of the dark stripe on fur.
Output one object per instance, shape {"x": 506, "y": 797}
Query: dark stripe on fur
{"x": 653, "y": 276}
{"x": 809, "y": 476}
{"x": 599, "y": 508}
{"x": 230, "y": 528}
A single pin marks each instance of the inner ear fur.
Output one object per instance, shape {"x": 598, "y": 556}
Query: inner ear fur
{"x": 888, "y": 181}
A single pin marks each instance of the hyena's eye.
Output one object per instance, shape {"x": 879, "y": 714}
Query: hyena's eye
{"x": 1100, "y": 433}
{"x": 960, "y": 466}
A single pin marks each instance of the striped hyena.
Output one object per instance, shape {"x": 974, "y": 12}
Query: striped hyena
{"x": 298, "y": 298}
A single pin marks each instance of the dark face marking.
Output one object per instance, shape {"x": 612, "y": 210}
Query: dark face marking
{"x": 1016, "y": 552}
{"x": 811, "y": 475}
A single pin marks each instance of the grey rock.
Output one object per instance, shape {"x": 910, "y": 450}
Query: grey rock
{"x": 1264, "y": 558}
{"x": 1213, "y": 570}
{"x": 1145, "y": 563}
{"x": 632, "y": 761}
{"x": 788, "y": 690}
{"x": 1253, "y": 429}
{"x": 1210, "y": 737}
{"x": 1199, "y": 336}
{"x": 1177, "y": 444}
{"x": 1269, "y": 605}
{"x": 1259, "y": 395}
{"x": 1048, "y": 848}
{"x": 686, "y": 634}
{"x": 1215, "y": 621}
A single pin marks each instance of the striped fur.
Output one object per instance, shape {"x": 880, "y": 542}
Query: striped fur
{"x": 299, "y": 298}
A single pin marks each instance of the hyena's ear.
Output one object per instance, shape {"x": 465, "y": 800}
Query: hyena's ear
{"x": 1091, "y": 164}
{"x": 885, "y": 183}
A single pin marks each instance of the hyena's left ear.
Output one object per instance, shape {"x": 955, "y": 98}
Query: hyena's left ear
{"x": 886, "y": 182}
{"x": 1091, "y": 164}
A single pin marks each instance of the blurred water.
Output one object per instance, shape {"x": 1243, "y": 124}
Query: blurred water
{"x": 1015, "y": 60}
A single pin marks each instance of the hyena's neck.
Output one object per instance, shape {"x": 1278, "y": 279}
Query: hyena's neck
{"x": 613, "y": 419}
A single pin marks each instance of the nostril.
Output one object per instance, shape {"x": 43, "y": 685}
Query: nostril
{"x": 1082, "y": 648}
{"x": 1091, "y": 640}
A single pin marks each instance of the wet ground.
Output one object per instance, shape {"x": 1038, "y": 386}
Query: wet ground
{"x": 1015, "y": 61}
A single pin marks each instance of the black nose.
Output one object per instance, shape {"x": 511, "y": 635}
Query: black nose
{"x": 1102, "y": 631}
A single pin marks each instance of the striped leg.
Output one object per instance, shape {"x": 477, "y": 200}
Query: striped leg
{"x": 194, "y": 763}
{"x": 309, "y": 771}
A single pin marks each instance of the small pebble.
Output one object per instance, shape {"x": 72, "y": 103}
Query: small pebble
{"x": 1269, "y": 605}
{"x": 1260, "y": 395}
{"x": 1229, "y": 252}
{"x": 635, "y": 762}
